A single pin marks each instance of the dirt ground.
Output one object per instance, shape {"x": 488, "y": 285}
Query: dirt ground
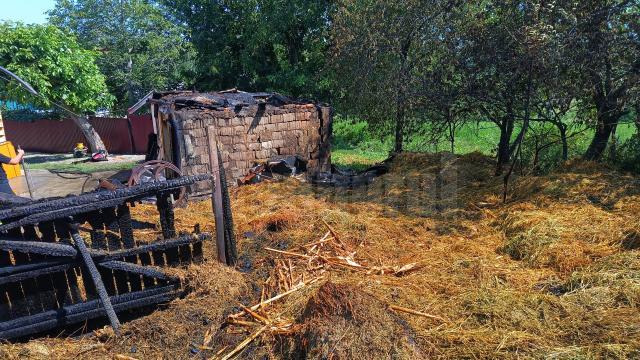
{"x": 426, "y": 262}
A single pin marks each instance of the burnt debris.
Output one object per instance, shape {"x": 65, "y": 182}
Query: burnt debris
{"x": 51, "y": 276}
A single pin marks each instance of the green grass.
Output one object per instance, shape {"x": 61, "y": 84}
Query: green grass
{"x": 356, "y": 159}
{"x": 84, "y": 167}
{"x": 355, "y": 146}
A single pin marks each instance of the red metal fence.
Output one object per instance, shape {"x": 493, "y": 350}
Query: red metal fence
{"x": 60, "y": 136}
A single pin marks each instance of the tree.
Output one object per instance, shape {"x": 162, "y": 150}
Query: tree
{"x": 495, "y": 67}
{"x": 258, "y": 45}
{"x": 448, "y": 106}
{"x": 58, "y": 68}
{"x": 380, "y": 57}
{"x": 603, "y": 41}
{"x": 141, "y": 47}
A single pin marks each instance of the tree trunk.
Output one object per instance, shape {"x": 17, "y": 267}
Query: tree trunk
{"x": 504, "y": 153}
{"x": 637, "y": 120}
{"x": 536, "y": 156}
{"x": 452, "y": 131}
{"x": 401, "y": 94}
{"x": 399, "y": 131}
{"x": 452, "y": 139}
{"x": 563, "y": 138}
{"x": 613, "y": 149}
{"x": 606, "y": 123}
{"x": 90, "y": 134}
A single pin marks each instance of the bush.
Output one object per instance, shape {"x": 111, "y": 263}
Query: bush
{"x": 628, "y": 157}
{"x": 349, "y": 132}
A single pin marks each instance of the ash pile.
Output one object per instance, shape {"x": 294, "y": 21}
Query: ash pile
{"x": 279, "y": 168}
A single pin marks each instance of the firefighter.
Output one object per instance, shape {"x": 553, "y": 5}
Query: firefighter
{"x": 4, "y": 182}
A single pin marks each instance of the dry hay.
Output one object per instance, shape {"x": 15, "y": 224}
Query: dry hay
{"x": 343, "y": 322}
{"x": 562, "y": 236}
{"x": 553, "y": 273}
{"x": 175, "y": 331}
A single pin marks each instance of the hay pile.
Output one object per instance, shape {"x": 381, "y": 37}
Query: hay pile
{"x": 343, "y": 322}
{"x": 554, "y": 272}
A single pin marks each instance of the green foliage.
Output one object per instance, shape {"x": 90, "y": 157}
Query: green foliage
{"x": 141, "y": 47}
{"x": 380, "y": 61}
{"x": 356, "y": 146}
{"x": 628, "y": 157}
{"x": 54, "y": 64}
{"x": 27, "y": 115}
{"x": 349, "y": 132}
{"x": 423, "y": 69}
{"x": 258, "y": 45}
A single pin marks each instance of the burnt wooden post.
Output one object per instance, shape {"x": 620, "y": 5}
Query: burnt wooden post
{"x": 95, "y": 276}
{"x": 216, "y": 195}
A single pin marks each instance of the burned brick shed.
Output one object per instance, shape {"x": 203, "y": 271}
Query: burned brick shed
{"x": 250, "y": 129}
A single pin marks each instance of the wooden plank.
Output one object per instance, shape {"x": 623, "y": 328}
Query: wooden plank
{"x": 45, "y": 286}
{"x": 126, "y": 233}
{"x": 97, "y": 281}
{"x": 59, "y": 279}
{"x": 115, "y": 244}
{"x": 216, "y": 196}
{"x": 29, "y": 302}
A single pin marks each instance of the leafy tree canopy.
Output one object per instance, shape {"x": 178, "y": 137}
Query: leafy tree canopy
{"x": 276, "y": 45}
{"x": 142, "y": 47}
{"x": 54, "y": 64}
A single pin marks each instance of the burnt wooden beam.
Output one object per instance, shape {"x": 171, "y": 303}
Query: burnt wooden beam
{"x": 38, "y": 247}
{"x": 27, "y": 301}
{"x": 231, "y": 253}
{"x": 126, "y": 234}
{"x": 77, "y": 313}
{"x": 11, "y": 274}
{"x": 95, "y": 276}
{"x": 42, "y": 275}
{"x": 165, "y": 209}
{"x": 154, "y": 246}
{"x": 216, "y": 195}
{"x": 48, "y": 232}
{"x": 30, "y": 274}
{"x": 136, "y": 269}
{"x": 111, "y": 196}
{"x": 114, "y": 242}
{"x": 10, "y": 270}
{"x": 82, "y": 307}
{"x": 70, "y": 277}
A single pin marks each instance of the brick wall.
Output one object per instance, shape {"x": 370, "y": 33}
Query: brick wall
{"x": 254, "y": 135}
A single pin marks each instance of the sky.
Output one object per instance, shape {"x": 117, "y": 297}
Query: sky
{"x": 26, "y": 11}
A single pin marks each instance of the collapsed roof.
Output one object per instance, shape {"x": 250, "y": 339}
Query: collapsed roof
{"x": 224, "y": 99}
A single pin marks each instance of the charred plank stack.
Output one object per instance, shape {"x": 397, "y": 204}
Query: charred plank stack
{"x": 51, "y": 276}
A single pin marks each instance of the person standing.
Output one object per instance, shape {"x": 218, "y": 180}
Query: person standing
{"x": 4, "y": 182}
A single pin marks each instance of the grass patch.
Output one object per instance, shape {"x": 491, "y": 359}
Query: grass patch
{"x": 84, "y": 167}
{"x": 357, "y": 145}
{"x": 356, "y": 159}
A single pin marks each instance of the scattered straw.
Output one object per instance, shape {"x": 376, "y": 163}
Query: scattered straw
{"x": 553, "y": 273}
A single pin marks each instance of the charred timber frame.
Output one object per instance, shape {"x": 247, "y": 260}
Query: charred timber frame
{"x": 50, "y": 277}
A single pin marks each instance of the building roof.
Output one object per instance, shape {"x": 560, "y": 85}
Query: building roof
{"x": 224, "y": 99}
